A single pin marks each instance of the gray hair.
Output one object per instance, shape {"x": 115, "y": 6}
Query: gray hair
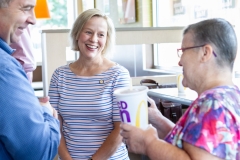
{"x": 81, "y": 21}
{"x": 4, "y": 3}
{"x": 220, "y": 34}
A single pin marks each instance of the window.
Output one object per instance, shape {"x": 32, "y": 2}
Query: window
{"x": 61, "y": 12}
{"x": 172, "y": 13}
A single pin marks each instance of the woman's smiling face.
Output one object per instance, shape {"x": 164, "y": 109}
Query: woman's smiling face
{"x": 93, "y": 37}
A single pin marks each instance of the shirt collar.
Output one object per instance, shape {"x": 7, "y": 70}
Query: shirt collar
{"x": 6, "y": 47}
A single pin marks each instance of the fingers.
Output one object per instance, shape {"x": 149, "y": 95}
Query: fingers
{"x": 55, "y": 114}
{"x": 125, "y": 129}
{"x": 125, "y": 142}
{"x": 152, "y": 102}
{"x": 126, "y": 126}
{"x": 149, "y": 126}
{"x": 47, "y": 105}
{"x": 44, "y": 99}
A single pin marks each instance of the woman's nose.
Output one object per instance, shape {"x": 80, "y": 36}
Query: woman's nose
{"x": 94, "y": 38}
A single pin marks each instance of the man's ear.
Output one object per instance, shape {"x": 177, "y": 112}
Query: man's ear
{"x": 207, "y": 53}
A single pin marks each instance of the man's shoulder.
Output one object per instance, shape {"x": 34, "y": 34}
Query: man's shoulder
{"x": 7, "y": 60}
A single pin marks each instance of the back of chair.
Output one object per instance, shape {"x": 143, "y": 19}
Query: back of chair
{"x": 170, "y": 110}
{"x": 151, "y": 84}
{"x": 168, "y": 85}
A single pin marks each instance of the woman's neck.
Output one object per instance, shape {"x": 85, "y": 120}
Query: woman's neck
{"x": 213, "y": 80}
{"x": 86, "y": 63}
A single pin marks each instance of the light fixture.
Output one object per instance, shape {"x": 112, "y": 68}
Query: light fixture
{"x": 41, "y": 9}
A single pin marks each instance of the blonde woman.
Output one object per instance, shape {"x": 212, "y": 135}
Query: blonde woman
{"x": 82, "y": 93}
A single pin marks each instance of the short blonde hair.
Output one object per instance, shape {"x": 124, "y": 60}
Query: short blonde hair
{"x": 82, "y": 20}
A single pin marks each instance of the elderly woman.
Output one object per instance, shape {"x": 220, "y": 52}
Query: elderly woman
{"x": 82, "y": 93}
{"x": 210, "y": 128}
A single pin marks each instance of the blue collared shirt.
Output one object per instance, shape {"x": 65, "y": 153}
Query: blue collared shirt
{"x": 27, "y": 130}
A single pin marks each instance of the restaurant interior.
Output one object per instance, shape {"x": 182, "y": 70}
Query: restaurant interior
{"x": 148, "y": 32}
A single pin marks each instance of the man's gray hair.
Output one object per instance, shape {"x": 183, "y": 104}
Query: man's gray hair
{"x": 4, "y": 3}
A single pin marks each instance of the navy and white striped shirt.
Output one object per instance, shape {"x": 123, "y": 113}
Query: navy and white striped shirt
{"x": 88, "y": 108}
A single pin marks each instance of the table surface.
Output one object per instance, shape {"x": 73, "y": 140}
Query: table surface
{"x": 171, "y": 94}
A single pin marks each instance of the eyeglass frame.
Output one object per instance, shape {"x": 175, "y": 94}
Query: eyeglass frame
{"x": 184, "y": 49}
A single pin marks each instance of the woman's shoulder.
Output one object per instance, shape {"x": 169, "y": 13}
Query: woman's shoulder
{"x": 62, "y": 68}
{"x": 220, "y": 91}
{"x": 118, "y": 67}
{"x": 224, "y": 97}
{"x": 111, "y": 65}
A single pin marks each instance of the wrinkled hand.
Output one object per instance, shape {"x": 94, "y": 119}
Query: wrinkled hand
{"x": 153, "y": 111}
{"x": 137, "y": 139}
{"x": 161, "y": 123}
{"x": 44, "y": 101}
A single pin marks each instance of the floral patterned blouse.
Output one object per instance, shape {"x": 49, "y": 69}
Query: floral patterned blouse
{"x": 212, "y": 122}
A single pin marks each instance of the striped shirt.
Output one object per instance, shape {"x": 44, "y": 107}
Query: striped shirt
{"x": 88, "y": 108}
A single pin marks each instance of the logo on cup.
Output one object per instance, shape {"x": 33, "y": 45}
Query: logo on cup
{"x": 181, "y": 88}
{"x": 123, "y": 106}
{"x": 124, "y": 112}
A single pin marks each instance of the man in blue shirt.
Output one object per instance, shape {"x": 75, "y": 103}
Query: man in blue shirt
{"x": 28, "y": 131}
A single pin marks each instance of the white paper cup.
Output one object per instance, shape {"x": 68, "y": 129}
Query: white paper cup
{"x": 133, "y": 105}
{"x": 181, "y": 88}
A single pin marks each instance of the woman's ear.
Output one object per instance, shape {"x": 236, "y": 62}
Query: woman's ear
{"x": 207, "y": 53}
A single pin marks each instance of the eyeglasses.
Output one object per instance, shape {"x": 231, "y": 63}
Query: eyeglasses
{"x": 181, "y": 50}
